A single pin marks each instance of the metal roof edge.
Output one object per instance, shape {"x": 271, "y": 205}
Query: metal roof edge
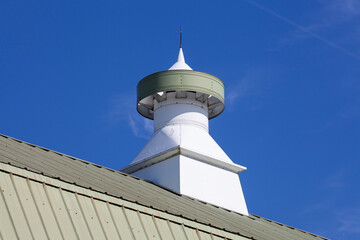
{"x": 284, "y": 225}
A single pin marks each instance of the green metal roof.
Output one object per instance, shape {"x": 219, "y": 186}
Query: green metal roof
{"x": 36, "y": 207}
{"x": 181, "y": 80}
{"x": 100, "y": 197}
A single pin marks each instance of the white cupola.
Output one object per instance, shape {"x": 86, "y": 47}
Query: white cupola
{"x": 181, "y": 155}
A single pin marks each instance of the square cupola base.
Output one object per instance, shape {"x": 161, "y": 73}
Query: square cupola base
{"x": 202, "y": 179}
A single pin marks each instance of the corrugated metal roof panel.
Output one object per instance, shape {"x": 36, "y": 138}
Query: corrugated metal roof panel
{"x": 12, "y": 204}
{"x": 164, "y": 229}
{"x": 29, "y": 207}
{"x": 61, "y": 213}
{"x": 34, "y": 210}
{"x": 114, "y": 183}
{"x": 7, "y": 229}
{"x": 121, "y": 222}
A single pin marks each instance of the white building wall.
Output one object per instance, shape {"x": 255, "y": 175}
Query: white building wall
{"x": 181, "y": 111}
{"x": 211, "y": 184}
{"x": 165, "y": 173}
{"x": 198, "y": 180}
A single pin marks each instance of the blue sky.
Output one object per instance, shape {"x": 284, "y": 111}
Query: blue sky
{"x": 291, "y": 69}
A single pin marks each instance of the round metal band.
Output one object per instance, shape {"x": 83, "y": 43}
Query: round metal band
{"x": 181, "y": 80}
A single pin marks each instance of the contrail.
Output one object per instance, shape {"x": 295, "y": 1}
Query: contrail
{"x": 303, "y": 29}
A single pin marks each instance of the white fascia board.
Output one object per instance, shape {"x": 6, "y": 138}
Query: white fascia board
{"x": 179, "y": 150}
{"x": 151, "y": 160}
{"x": 232, "y": 167}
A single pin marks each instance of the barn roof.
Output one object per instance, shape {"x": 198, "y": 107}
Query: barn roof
{"x": 104, "y": 193}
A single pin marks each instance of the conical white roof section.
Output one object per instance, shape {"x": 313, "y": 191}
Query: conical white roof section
{"x": 180, "y": 63}
{"x": 186, "y": 137}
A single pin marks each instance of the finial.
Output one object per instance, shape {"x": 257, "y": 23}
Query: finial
{"x": 180, "y": 36}
{"x": 180, "y": 63}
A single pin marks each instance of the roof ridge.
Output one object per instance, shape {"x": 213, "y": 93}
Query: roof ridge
{"x": 285, "y": 225}
{"x": 59, "y": 153}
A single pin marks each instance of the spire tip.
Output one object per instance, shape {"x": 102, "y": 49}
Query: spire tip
{"x": 180, "y": 36}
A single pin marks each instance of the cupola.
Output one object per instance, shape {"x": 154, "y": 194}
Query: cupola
{"x": 181, "y": 155}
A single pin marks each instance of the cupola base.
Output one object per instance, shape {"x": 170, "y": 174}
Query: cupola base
{"x": 199, "y": 180}
{"x": 195, "y": 167}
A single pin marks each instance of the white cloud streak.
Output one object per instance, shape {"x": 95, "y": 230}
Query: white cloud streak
{"x": 349, "y": 220}
{"x": 349, "y": 8}
{"x": 122, "y": 109}
{"x": 251, "y": 85}
{"x": 304, "y": 29}
{"x": 243, "y": 88}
